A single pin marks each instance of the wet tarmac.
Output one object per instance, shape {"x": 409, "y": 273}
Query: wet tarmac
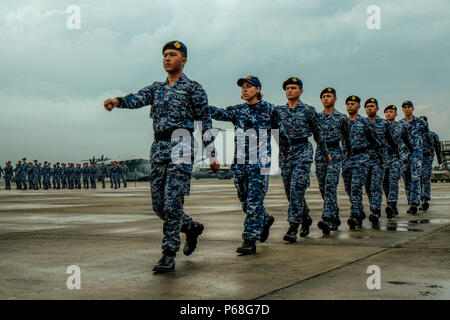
{"x": 115, "y": 238}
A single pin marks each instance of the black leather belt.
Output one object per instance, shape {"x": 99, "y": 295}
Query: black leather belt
{"x": 358, "y": 151}
{"x": 299, "y": 140}
{"x": 333, "y": 144}
{"x": 167, "y": 135}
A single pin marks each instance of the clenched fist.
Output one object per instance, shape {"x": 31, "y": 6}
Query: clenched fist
{"x": 111, "y": 103}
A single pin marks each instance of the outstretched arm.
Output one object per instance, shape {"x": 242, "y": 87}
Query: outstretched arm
{"x": 137, "y": 100}
{"x": 220, "y": 114}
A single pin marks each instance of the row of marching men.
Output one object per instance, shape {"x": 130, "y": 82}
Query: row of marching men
{"x": 29, "y": 175}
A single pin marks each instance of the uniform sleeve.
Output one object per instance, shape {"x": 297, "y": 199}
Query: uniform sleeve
{"x": 372, "y": 138}
{"x": 391, "y": 141}
{"x": 345, "y": 130}
{"x": 276, "y": 123}
{"x": 142, "y": 98}
{"x": 437, "y": 146}
{"x": 426, "y": 133}
{"x": 201, "y": 110}
{"x": 219, "y": 114}
{"x": 405, "y": 137}
{"x": 315, "y": 129}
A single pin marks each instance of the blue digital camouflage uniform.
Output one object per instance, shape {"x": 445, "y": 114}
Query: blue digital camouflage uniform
{"x": 375, "y": 169}
{"x": 46, "y": 175}
{"x": 334, "y": 128}
{"x": 77, "y": 173}
{"x": 124, "y": 176}
{"x": 103, "y": 172}
{"x": 30, "y": 175}
{"x": 251, "y": 164}
{"x": 8, "y": 172}
{"x": 427, "y": 166}
{"x": 85, "y": 173}
{"x": 299, "y": 123}
{"x": 354, "y": 169}
{"x": 58, "y": 175}
{"x": 394, "y": 163}
{"x": 24, "y": 175}
{"x": 173, "y": 107}
{"x": 40, "y": 176}
{"x": 1, "y": 171}
{"x": 63, "y": 177}
{"x": 52, "y": 175}
{"x": 418, "y": 132}
{"x": 35, "y": 176}
{"x": 93, "y": 176}
{"x": 71, "y": 176}
{"x": 18, "y": 176}
{"x": 113, "y": 174}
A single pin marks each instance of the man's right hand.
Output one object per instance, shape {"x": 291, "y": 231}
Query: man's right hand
{"x": 111, "y": 103}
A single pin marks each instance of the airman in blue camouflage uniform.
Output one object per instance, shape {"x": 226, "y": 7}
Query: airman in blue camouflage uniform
{"x": 393, "y": 162}
{"x": 18, "y": 175}
{"x": 58, "y": 175}
{"x": 418, "y": 132}
{"x": 71, "y": 175}
{"x": 40, "y": 175}
{"x": 35, "y": 175}
{"x": 46, "y": 175}
{"x": 1, "y": 171}
{"x": 354, "y": 168}
{"x": 30, "y": 175}
{"x": 24, "y": 173}
{"x": 63, "y": 176}
{"x": 251, "y": 165}
{"x": 8, "y": 172}
{"x": 427, "y": 167}
{"x": 77, "y": 173}
{"x": 300, "y": 121}
{"x": 375, "y": 169}
{"x": 93, "y": 171}
{"x": 334, "y": 126}
{"x": 176, "y": 104}
{"x": 124, "y": 175}
{"x": 103, "y": 172}
{"x": 85, "y": 173}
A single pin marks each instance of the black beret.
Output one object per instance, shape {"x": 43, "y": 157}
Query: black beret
{"x": 175, "y": 45}
{"x": 328, "y": 90}
{"x": 292, "y": 80}
{"x": 390, "y": 107}
{"x": 353, "y": 98}
{"x": 371, "y": 100}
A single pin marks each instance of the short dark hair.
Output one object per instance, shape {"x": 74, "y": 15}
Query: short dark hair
{"x": 259, "y": 95}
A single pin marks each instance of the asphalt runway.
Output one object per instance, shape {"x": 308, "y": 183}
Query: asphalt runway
{"x": 114, "y": 237}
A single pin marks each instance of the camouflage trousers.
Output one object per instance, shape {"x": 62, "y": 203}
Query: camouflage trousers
{"x": 47, "y": 182}
{"x": 374, "y": 184}
{"x": 392, "y": 175}
{"x": 251, "y": 187}
{"x": 295, "y": 173}
{"x": 18, "y": 180}
{"x": 427, "y": 170}
{"x": 411, "y": 170}
{"x": 169, "y": 184}
{"x": 8, "y": 181}
{"x": 328, "y": 178}
{"x": 86, "y": 181}
{"x": 354, "y": 172}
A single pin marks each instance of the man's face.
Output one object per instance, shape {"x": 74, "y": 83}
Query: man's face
{"x": 390, "y": 114}
{"x": 248, "y": 92}
{"x": 407, "y": 110}
{"x": 173, "y": 61}
{"x": 293, "y": 91}
{"x": 352, "y": 107}
{"x": 371, "y": 109}
{"x": 328, "y": 99}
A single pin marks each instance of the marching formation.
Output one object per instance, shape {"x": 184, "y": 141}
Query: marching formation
{"x": 34, "y": 176}
{"x": 369, "y": 152}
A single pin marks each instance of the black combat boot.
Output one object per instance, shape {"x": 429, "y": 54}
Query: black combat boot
{"x": 390, "y": 210}
{"x": 412, "y": 210}
{"x": 394, "y": 207}
{"x": 248, "y": 247}
{"x": 325, "y": 226}
{"x": 305, "y": 227}
{"x": 425, "y": 205}
{"x": 193, "y": 230}
{"x": 291, "y": 235}
{"x": 166, "y": 263}
{"x": 352, "y": 222}
{"x": 375, "y": 217}
{"x": 265, "y": 233}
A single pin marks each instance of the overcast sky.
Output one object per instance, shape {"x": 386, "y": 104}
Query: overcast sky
{"x": 53, "y": 80}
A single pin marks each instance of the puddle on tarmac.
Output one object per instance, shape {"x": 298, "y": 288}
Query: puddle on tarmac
{"x": 426, "y": 221}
